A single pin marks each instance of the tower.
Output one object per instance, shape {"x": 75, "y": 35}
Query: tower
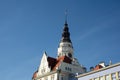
{"x": 65, "y": 47}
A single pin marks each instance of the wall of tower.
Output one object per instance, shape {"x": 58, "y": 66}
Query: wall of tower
{"x": 65, "y": 48}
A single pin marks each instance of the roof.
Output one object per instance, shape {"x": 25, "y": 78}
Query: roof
{"x": 95, "y": 71}
{"x": 35, "y": 74}
{"x": 98, "y": 67}
{"x": 51, "y": 62}
{"x": 65, "y": 59}
{"x": 62, "y": 59}
{"x": 54, "y": 63}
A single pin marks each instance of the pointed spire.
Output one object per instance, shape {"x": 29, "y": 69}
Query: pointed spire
{"x": 66, "y": 34}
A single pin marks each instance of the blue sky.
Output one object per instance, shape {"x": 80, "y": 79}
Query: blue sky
{"x": 30, "y": 27}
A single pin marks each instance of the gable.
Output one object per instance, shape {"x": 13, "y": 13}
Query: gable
{"x": 44, "y": 61}
{"x": 43, "y": 68}
{"x": 50, "y": 64}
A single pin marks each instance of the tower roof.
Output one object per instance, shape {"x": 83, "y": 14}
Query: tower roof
{"x": 65, "y": 33}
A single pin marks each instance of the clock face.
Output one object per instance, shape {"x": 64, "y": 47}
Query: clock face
{"x": 70, "y": 55}
{"x": 69, "y": 45}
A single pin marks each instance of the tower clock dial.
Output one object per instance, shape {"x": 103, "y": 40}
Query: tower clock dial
{"x": 70, "y": 55}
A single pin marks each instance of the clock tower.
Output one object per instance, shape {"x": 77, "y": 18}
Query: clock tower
{"x": 65, "y": 47}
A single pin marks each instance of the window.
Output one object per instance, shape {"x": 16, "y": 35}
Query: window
{"x": 119, "y": 74}
{"x": 113, "y": 76}
{"x": 107, "y": 77}
{"x": 62, "y": 78}
{"x": 42, "y": 70}
{"x": 52, "y": 77}
{"x": 65, "y": 68}
{"x": 70, "y": 55}
{"x": 69, "y": 45}
{"x": 102, "y": 78}
{"x": 96, "y": 79}
{"x": 68, "y": 69}
{"x": 46, "y": 78}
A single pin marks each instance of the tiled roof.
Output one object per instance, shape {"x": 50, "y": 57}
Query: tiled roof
{"x": 54, "y": 63}
{"x": 65, "y": 59}
{"x": 35, "y": 74}
{"x": 62, "y": 59}
{"x": 51, "y": 62}
{"x": 98, "y": 67}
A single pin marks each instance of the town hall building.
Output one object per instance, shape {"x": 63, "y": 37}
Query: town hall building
{"x": 64, "y": 66}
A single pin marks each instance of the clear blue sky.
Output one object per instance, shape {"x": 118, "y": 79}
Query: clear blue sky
{"x": 30, "y": 27}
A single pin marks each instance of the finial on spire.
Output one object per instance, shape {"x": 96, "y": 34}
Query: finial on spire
{"x": 66, "y": 14}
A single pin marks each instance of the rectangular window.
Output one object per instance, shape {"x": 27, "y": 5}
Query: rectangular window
{"x": 52, "y": 77}
{"x": 102, "y": 78}
{"x": 46, "y": 78}
{"x": 96, "y": 79}
{"x": 107, "y": 77}
{"x": 65, "y": 68}
{"x": 113, "y": 76}
{"x": 61, "y": 78}
{"x": 119, "y": 74}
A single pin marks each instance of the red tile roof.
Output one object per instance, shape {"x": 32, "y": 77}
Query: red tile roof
{"x": 54, "y": 63}
{"x": 65, "y": 59}
{"x": 98, "y": 67}
{"x": 35, "y": 74}
{"x": 62, "y": 59}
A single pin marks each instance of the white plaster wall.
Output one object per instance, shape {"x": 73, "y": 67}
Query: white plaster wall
{"x": 64, "y": 49}
{"x": 101, "y": 73}
{"x": 49, "y": 77}
{"x": 43, "y": 65}
{"x": 74, "y": 68}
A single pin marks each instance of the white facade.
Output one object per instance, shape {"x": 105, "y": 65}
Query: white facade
{"x": 65, "y": 48}
{"x": 70, "y": 68}
{"x": 111, "y": 72}
{"x": 43, "y": 68}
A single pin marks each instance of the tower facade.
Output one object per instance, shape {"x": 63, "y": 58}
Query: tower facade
{"x": 65, "y": 66}
{"x": 65, "y": 47}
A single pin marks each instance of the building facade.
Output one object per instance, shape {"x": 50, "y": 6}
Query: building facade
{"x": 65, "y": 66}
{"x": 111, "y": 72}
